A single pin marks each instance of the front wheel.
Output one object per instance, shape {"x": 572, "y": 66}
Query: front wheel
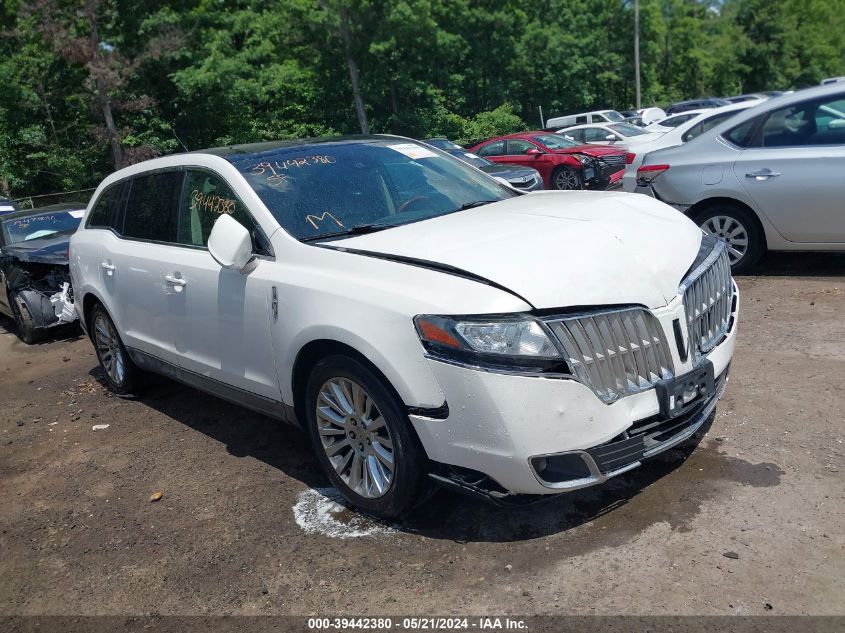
{"x": 738, "y": 229}
{"x": 23, "y": 320}
{"x": 122, "y": 376}
{"x": 566, "y": 178}
{"x": 362, "y": 437}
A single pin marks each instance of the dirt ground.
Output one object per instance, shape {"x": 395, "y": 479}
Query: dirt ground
{"x": 241, "y": 530}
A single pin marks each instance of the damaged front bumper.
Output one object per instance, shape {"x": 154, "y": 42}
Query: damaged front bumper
{"x": 41, "y": 292}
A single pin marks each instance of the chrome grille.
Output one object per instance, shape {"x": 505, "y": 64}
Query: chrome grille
{"x": 708, "y": 298}
{"x": 615, "y": 352}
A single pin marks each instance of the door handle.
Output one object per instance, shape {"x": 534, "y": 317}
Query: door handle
{"x": 109, "y": 268}
{"x": 763, "y": 174}
{"x": 175, "y": 281}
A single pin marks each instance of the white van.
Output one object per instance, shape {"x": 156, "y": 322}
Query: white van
{"x": 599, "y": 116}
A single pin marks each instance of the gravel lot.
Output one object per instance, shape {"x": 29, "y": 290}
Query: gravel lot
{"x": 749, "y": 523}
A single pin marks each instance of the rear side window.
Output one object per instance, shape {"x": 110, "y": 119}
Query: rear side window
{"x": 205, "y": 197}
{"x": 580, "y": 120}
{"x": 519, "y": 146}
{"x": 493, "y": 149}
{"x": 107, "y": 209}
{"x": 150, "y": 210}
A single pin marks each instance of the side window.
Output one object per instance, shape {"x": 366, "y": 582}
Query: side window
{"x": 575, "y": 135}
{"x": 597, "y": 135}
{"x": 104, "y": 214}
{"x": 519, "y": 146}
{"x": 820, "y": 122}
{"x": 205, "y": 197}
{"x": 150, "y": 213}
{"x": 598, "y": 118}
{"x": 493, "y": 149}
{"x": 581, "y": 120}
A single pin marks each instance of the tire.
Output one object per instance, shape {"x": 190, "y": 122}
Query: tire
{"x": 23, "y": 320}
{"x": 122, "y": 375}
{"x": 359, "y": 430}
{"x": 739, "y": 229}
{"x": 566, "y": 179}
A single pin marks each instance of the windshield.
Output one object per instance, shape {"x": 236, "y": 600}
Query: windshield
{"x": 32, "y": 227}
{"x": 556, "y": 141}
{"x": 613, "y": 115}
{"x": 333, "y": 188}
{"x": 626, "y": 129}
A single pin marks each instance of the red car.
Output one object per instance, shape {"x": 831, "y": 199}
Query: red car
{"x": 564, "y": 164}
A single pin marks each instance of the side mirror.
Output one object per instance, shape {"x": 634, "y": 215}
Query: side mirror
{"x": 610, "y": 137}
{"x": 534, "y": 152}
{"x": 230, "y": 243}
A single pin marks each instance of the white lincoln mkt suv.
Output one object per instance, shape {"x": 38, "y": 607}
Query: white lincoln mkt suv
{"x": 418, "y": 318}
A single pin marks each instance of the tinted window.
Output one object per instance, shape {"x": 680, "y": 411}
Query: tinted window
{"x": 205, "y": 197}
{"x": 575, "y": 135}
{"x": 820, "y": 122}
{"x": 150, "y": 209}
{"x": 518, "y": 146}
{"x": 103, "y": 215}
{"x": 580, "y": 120}
{"x": 493, "y": 149}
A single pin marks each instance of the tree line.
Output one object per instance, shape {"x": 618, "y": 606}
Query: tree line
{"x": 89, "y": 86}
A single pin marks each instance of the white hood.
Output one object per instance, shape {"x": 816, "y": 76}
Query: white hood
{"x": 557, "y": 249}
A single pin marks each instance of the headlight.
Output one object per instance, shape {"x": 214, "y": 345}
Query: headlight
{"x": 583, "y": 158}
{"x": 518, "y": 342}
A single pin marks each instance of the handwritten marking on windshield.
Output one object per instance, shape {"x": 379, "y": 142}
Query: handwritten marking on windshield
{"x": 274, "y": 168}
{"x": 314, "y": 219}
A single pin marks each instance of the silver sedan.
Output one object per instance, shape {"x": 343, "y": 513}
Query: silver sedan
{"x": 772, "y": 177}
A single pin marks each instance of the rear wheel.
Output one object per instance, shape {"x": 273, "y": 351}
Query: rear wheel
{"x": 122, "y": 376}
{"x": 739, "y": 229}
{"x": 362, "y": 437}
{"x": 566, "y": 178}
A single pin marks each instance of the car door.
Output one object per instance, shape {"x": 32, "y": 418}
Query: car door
{"x": 221, "y": 318}
{"x": 134, "y": 256}
{"x": 516, "y": 153}
{"x": 792, "y": 169}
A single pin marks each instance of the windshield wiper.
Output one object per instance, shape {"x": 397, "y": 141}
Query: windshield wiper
{"x": 477, "y": 203}
{"x": 358, "y": 229}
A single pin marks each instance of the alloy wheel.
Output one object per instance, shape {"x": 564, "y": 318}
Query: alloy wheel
{"x": 355, "y": 437}
{"x": 108, "y": 349}
{"x": 567, "y": 179}
{"x": 732, "y": 231}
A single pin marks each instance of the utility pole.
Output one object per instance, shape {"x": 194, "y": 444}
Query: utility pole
{"x": 637, "y": 50}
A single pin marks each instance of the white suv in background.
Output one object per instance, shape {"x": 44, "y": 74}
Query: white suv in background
{"x": 767, "y": 178}
{"x": 416, "y": 317}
